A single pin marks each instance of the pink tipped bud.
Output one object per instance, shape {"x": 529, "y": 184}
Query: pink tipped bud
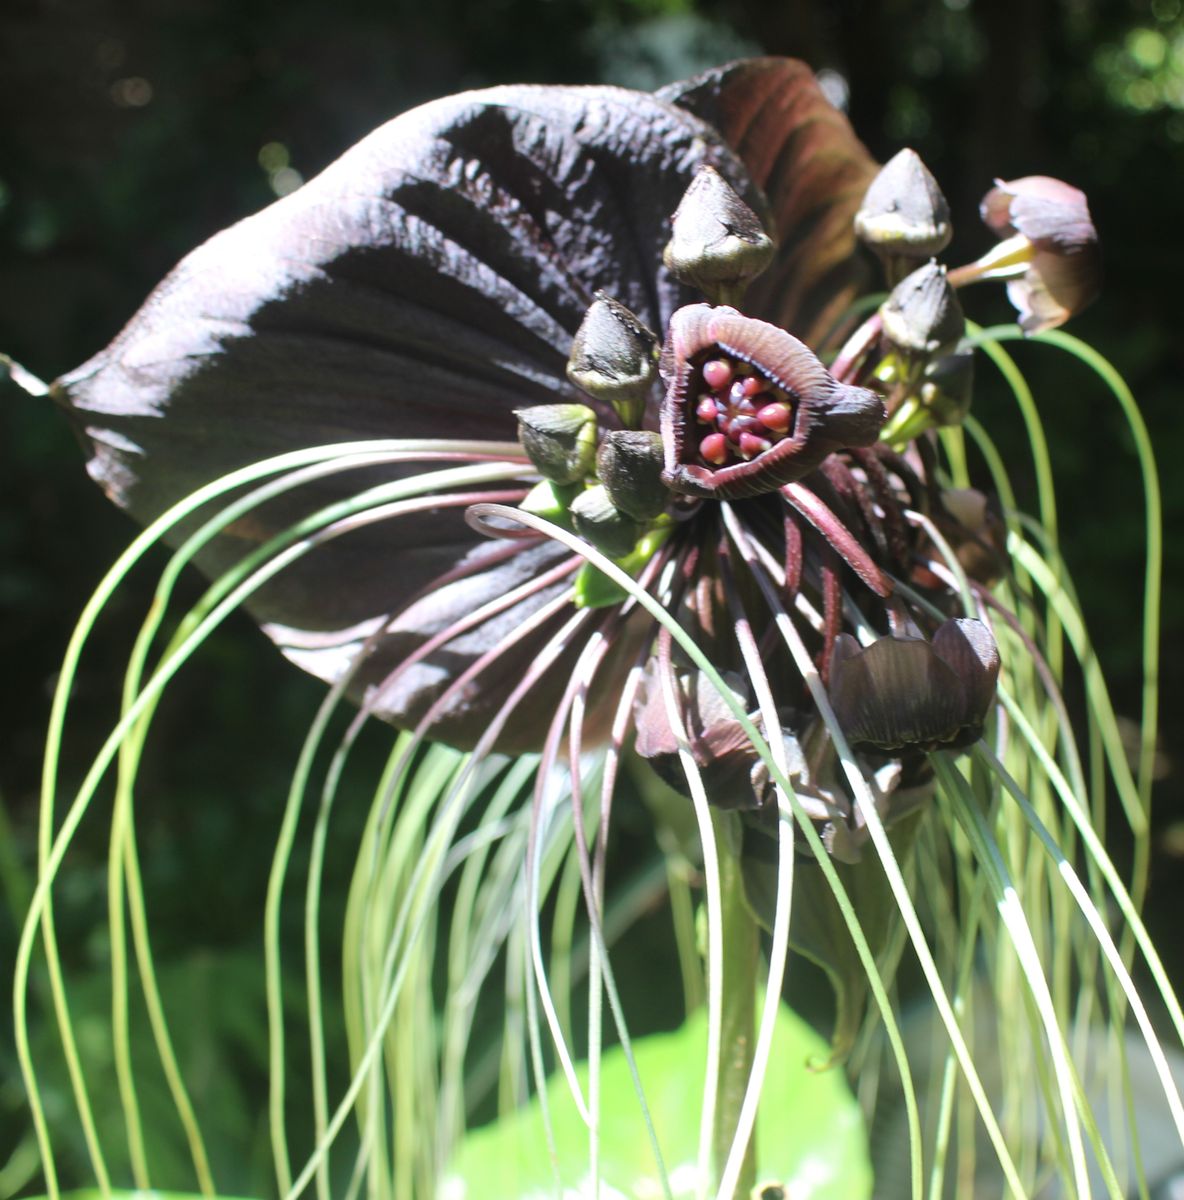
{"x": 706, "y": 410}
{"x": 717, "y": 374}
{"x": 751, "y": 445}
{"x": 775, "y": 417}
{"x": 714, "y": 449}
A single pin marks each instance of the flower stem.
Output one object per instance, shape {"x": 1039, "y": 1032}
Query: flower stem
{"x": 741, "y": 961}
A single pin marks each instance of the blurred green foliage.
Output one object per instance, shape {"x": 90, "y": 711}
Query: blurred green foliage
{"x": 132, "y": 129}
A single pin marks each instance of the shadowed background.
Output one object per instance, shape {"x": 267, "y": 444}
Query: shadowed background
{"x": 130, "y": 131}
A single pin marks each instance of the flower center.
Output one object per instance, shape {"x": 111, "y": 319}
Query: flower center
{"x": 739, "y": 413}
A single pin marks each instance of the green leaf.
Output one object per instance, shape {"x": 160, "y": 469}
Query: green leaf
{"x": 810, "y": 1135}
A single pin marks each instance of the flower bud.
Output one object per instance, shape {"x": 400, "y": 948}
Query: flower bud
{"x": 922, "y": 317}
{"x": 598, "y": 521}
{"x": 614, "y": 358}
{"x": 947, "y": 387}
{"x": 718, "y": 243}
{"x": 904, "y": 217}
{"x": 904, "y": 692}
{"x": 629, "y": 464}
{"x": 559, "y": 439}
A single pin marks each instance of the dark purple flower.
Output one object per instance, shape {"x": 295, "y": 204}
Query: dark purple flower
{"x": 477, "y": 282}
{"x": 427, "y": 285}
{"x": 749, "y": 407}
{"x": 903, "y": 692}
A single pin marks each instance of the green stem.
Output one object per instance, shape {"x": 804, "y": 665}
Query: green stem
{"x": 741, "y": 962}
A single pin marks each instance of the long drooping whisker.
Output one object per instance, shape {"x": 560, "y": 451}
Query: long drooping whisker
{"x": 459, "y": 627}
{"x": 886, "y": 496}
{"x": 845, "y": 484}
{"x": 832, "y": 610}
{"x": 779, "y": 949}
{"x": 452, "y": 810}
{"x": 836, "y": 533}
{"x": 777, "y": 573}
{"x": 794, "y": 554}
{"x": 865, "y": 803}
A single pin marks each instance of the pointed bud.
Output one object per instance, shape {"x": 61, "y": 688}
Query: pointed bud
{"x": 718, "y": 242}
{"x": 922, "y": 317}
{"x": 904, "y": 217}
{"x": 560, "y": 439}
{"x": 598, "y": 521}
{"x": 629, "y": 464}
{"x": 614, "y": 357}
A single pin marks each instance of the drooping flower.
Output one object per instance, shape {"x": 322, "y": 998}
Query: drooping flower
{"x": 902, "y": 692}
{"x": 484, "y": 281}
{"x": 1048, "y": 250}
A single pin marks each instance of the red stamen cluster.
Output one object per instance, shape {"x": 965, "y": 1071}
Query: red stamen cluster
{"x": 739, "y": 412}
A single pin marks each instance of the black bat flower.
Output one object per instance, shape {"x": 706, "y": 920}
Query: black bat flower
{"x": 475, "y": 284}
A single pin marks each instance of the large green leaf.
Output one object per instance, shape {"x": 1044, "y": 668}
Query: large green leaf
{"x": 810, "y": 1135}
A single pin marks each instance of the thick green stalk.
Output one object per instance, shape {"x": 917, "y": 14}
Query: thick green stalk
{"x": 741, "y": 963}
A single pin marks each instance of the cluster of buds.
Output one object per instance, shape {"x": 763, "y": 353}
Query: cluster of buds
{"x": 1048, "y": 256}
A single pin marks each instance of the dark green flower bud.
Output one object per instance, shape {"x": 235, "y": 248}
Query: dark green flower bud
{"x": 947, "y": 387}
{"x": 598, "y": 521}
{"x": 718, "y": 243}
{"x": 923, "y": 317}
{"x": 904, "y": 217}
{"x": 630, "y": 463}
{"x": 560, "y": 439}
{"x": 614, "y": 357}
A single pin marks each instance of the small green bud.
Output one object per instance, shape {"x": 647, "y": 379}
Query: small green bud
{"x": 718, "y": 243}
{"x": 560, "y": 439}
{"x": 598, "y": 521}
{"x": 614, "y": 357}
{"x": 904, "y": 217}
{"x": 948, "y": 386}
{"x": 922, "y": 317}
{"x": 630, "y": 463}
{"x": 550, "y": 501}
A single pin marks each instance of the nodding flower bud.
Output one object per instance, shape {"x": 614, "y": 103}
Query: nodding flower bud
{"x": 947, "y": 387}
{"x": 1049, "y": 251}
{"x": 614, "y": 357}
{"x": 922, "y": 317}
{"x": 904, "y": 217}
{"x": 599, "y": 521}
{"x": 629, "y": 464}
{"x": 906, "y": 693}
{"x": 559, "y": 439}
{"x": 718, "y": 243}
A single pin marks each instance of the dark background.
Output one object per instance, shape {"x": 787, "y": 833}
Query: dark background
{"x": 130, "y": 131}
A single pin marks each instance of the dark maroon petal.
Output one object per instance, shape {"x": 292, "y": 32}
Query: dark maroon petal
{"x": 968, "y": 648}
{"x": 721, "y": 749}
{"x": 1065, "y": 274}
{"x": 1055, "y": 287}
{"x": 896, "y": 693}
{"x": 425, "y": 285}
{"x": 801, "y": 150}
{"x": 1046, "y": 211}
{"x": 827, "y": 415}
